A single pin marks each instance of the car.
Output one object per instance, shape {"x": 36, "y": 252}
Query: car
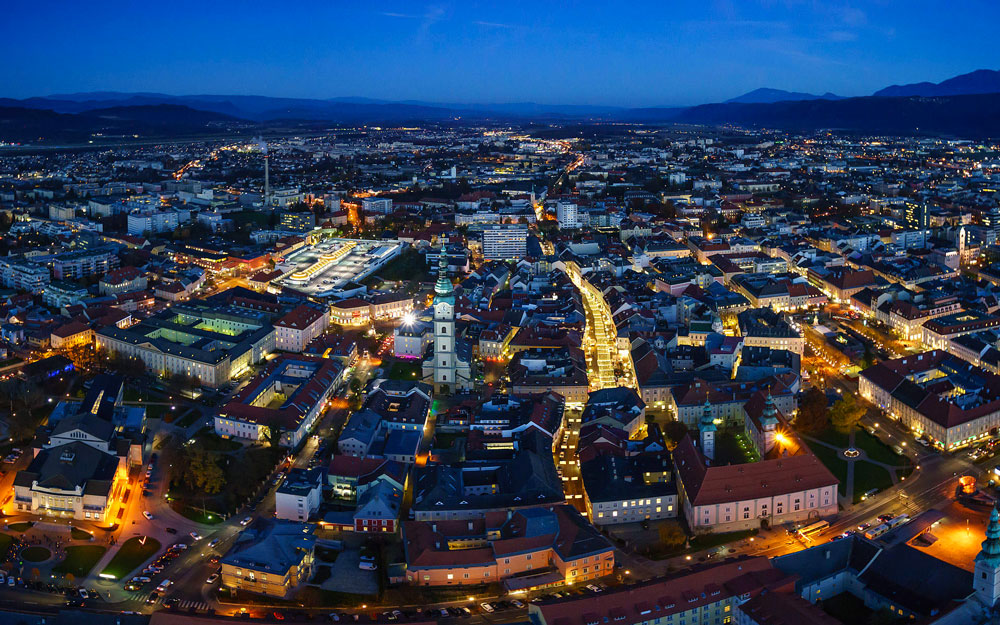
{"x": 246, "y": 521}
{"x": 486, "y": 607}
{"x": 171, "y": 530}
{"x": 212, "y": 578}
{"x": 171, "y": 603}
{"x": 465, "y": 611}
{"x": 132, "y": 586}
{"x": 864, "y": 526}
{"x": 367, "y": 566}
{"x": 443, "y": 612}
{"x": 163, "y": 585}
{"x": 152, "y": 598}
{"x": 214, "y": 559}
{"x": 593, "y": 588}
{"x": 179, "y": 546}
{"x": 334, "y": 616}
{"x": 214, "y": 542}
{"x": 278, "y": 616}
{"x": 11, "y": 581}
{"x": 517, "y": 604}
{"x": 141, "y": 579}
{"x": 83, "y": 594}
{"x": 389, "y": 616}
{"x": 886, "y": 517}
{"x": 149, "y": 517}
{"x": 195, "y": 535}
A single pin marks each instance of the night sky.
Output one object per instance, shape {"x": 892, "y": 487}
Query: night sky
{"x": 622, "y": 53}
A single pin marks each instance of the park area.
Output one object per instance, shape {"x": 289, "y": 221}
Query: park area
{"x": 130, "y": 556}
{"x": 80, "y": 559}
{"x": 876, "y": 468}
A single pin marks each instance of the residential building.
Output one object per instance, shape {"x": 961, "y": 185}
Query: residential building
{"x": 272, "y": 557}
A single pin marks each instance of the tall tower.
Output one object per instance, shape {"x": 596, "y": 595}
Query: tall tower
{"x": 706, "y": 432}
{"x": 769, "y": 422}
{"x": 986, "y": 580}
{"x": 445, "y": 365}
{"x": 267, "y": 173}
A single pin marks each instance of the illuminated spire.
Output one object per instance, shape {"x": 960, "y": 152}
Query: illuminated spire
{"x": 990, "y": 553}
{"x": 443, "y": 287}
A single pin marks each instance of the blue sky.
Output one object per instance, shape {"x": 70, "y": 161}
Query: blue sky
{"x": 622, "y": 53}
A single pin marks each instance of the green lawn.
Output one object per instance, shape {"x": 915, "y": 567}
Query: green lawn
{"x": 79, "y": 534}
{"x": 707, "y": 541}
{"x": 188, "y": 418}
{"x": 132, "y": 553}
{"x": 868, "y": 476}
{"x": 833, "y": 461}
{"x": 195, "y": 513}
{"x": 403, "y": 370}
{"x": 873, "y": 447}
{"x": 24, "y": 526}
{"x": 5, "y": 541}
{"x": 35, "y": 553}
{"x": 733, "y": 449}
{"x": 79, "y": 560}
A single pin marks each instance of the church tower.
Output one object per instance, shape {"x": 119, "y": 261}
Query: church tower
{"x": 987, "y": 575}
{"x": 769, "y": 423}
{"x": 445, "y": 365}
{"x": 706, "y": 432}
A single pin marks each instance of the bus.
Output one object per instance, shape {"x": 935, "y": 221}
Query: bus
{"x": 892, "y": 523}
{"x": 818, "y": 526}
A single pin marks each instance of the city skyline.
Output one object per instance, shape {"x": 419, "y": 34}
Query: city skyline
{"x": 639, "y": 55}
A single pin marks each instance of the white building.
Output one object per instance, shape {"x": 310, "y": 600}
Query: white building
{"x": 505, "y": 242}
{"x": 299, "y": 327}
{"x": 411, "y": 340}
{"x": 376, "y": 205}
{"x": 152, "y": 221}
{"x": 566, "y": 214}
{"x": 299, "y": 496}
{"x": 23, "y": 275}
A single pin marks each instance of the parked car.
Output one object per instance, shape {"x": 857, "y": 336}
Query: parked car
{"x": 486, "y": 607}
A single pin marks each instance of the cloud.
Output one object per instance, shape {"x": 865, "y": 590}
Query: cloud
{"x": 494, "y": 24}
{"x": 842, "y": 35}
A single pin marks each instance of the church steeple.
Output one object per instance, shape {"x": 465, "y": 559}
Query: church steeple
{"x": 987, "y": 573}
{"x": 443, "y": 287}
{"x": 706, "y": 431}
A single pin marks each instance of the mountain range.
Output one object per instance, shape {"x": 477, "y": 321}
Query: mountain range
{"x": 965, "y": 104}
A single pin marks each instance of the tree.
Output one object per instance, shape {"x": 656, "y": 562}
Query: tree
{"x": 813, "y": 414}
{"x": 273, "y": 435}
{"x": 202, "y": 472}
{"x": 355, "y": 385}
{"x": 672, "y": 536}
{"x": 846, "y": 413}
{"x": 673, "y": 432}
{"x": 868, "y": 360}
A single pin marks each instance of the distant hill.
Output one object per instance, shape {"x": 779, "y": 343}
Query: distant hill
{"x": 967, "y": 115}
{"x": 19, "y": 124}
{"x": 979, "y": 81}
{"x": 765, "y": 95}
